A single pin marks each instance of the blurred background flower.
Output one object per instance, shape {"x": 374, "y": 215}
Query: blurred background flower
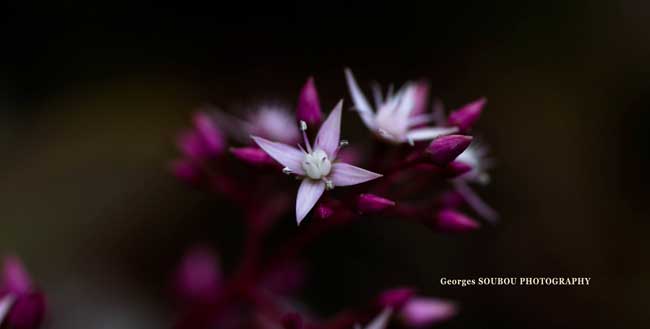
{"x": 92, "y": 95}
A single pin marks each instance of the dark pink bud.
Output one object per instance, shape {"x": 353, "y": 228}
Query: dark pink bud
{"x": 198, "y": 277}
{"x": 292, "y": 321}
{"x": 425, "y": 312}
{"x": 449, "y": 220}
{"x": 15, "y": 279}
{"x": 252, "y": 155}
{"x": 395, "y": 298}
{"x": 209, "y": 133}
{"x": 308, "y": 109}
{"x": 465, "y": 117}
{"x": 370, "y": 203}
{"x": 445, "y": 149}
{"x": 27, "y": 312}
{"x": 185, "y": 170}
{"x": 456, "y": 168}
{"x": 324, "y": 211}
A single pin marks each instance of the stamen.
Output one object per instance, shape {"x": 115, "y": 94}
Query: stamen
{"x": 328, "y": 184}
{"x": 286, "y": 171}
{"x": 303, "y": 128}
{"x": 343, "y": 142}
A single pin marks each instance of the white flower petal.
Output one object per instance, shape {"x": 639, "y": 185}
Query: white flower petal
{"x": 5, "y": 305}
{"x": 286, "y": 155}
{"x": 381, "y": 320}
{"x": 344, "y": 174}
{"x": 423, "y": 134}
{"x": 308, "y": 194}
{"x": 363, "y": 107}
{"x": 329, "y": 135}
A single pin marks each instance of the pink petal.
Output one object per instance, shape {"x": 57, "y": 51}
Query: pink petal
{"x": 6, "y": 303}
{"x": 329, "y": 134}
{"x": 424, "y": 312}
{"x": 421, "y": 98}
{"x": 286, "y": 155}
{"x": 344, "y": 174}
{"x": 430, "y": 133}
{"x": 381, "y": 320}
{"x": 308, "y": 194}
{"x": 359, "y": 100}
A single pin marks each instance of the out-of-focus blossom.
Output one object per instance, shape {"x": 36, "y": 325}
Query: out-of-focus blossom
{"x": 445, "y": 149}
{"x": 316, "y": 166}
{"x": 476, "y": 156}
{"x": 423, "y": 312}
{"x": 465, "y": 117}
{"x": 23, "y": 306}
{"x": 252, "y": 155}
{"x": 448, "y": 220}
{"x": 198, "y": 278}
{"x": 397, "y": 118}
{"x": 308, "y": 109}
{"x": 273, "y": 122}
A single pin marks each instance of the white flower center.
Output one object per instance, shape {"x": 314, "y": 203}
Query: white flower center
{"x": 316, "y": 164}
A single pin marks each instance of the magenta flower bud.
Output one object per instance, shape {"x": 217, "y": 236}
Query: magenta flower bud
{"x": 445, "y": 149}
{"x": 209, "y": 133}
{"x": 27, "y": 311}
{"x": 15, "y": 279}
{"x": 252, "y": 155}
{"x": 292, "y": 321}
{"x": 395, "y": 298}
{"x": 198, "y": 277}
{"x": 370, "y": 203}
{"x": 425, "y": 312}
{"x": 465, "y": 117}
{"x": 456, "y": 168}
{"x": 449, "y": 220}
{"x": 308, "y": 109}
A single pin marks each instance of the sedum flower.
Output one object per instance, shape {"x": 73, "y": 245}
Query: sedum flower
{"x": 317, "y": 165}
{"x": 398, "y": 118}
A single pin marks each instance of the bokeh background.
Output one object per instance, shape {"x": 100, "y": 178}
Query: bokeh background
{"x": 92, "y": 95}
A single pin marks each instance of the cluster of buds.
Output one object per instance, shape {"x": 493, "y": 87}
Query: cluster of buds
{"x": 22, "y": 306}
{"x": 419, "y": 167}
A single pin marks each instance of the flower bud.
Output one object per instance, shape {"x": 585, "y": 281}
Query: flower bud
{"x": 456, "y": 168}
{"x": 209, "y": 133}
{"x": 15, "y": 279}
{"x": 445, "y": 149}
{"x": 370, "y": 203}
{"x": 449, "y": 220}
{"x": 465, "y": 117}
{"x": 425, "y": 312}
{"x": 252, "y": 155}
{"x": 308, "y": 109}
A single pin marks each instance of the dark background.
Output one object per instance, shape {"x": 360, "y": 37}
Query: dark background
{"x": 91, "y": 96}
